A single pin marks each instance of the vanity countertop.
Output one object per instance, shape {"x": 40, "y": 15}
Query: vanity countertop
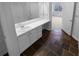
{"x": 26, "y": 26}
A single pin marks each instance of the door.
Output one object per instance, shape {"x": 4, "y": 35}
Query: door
{"x": 75, "y": 33}
{"x": 68, "y": 8}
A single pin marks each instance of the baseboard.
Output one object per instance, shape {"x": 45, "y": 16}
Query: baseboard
{"x": 65, "y": 32}
{"x": 73, "y": 37}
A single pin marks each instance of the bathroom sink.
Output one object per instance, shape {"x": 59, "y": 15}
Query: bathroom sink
{"x": 24, "y": 27}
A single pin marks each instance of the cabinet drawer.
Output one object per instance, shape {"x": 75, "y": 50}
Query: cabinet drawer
{"x": 24, "y": 42}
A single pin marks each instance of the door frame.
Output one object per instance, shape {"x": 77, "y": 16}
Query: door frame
{"x": 73, "y": 19}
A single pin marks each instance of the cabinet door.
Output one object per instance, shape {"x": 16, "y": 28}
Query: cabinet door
{"x": 39, "y": 32}
{"x": 35, "y": 34}
{"x": 23, "y": 42}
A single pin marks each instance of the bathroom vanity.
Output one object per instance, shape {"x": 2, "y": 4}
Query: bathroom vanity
{"x": 29, "y": 32}
{"x": 22, "y": 24}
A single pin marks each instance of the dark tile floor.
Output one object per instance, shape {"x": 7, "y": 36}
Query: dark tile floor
{"x": 53, "y": 43}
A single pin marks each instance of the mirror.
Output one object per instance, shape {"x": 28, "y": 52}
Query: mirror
{"x": 23, "y": 11}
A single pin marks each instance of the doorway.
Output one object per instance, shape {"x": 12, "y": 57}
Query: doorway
{"x": 56, "y": 17}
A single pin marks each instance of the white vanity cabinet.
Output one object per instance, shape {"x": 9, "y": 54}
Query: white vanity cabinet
{"x": 27, "y": 39}
{"x": 23, "y": 41}
{"x": 35, "y": 34}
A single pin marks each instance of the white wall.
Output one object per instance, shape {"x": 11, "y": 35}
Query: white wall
{"x": 75, "y": 33}
{"x": 3, "y": 49}
{"x": 68, "y": 8}
{"x": 76, "y": 24}
{"x": 8, "y": 27}
{"x": 44, "y": 9}
{"x": 34, "y": 10}
{"x": 41, "y": 9}
{"x": 44, "y": 12}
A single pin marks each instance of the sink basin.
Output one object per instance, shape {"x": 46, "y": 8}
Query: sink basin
{"x": 24, "y": 27}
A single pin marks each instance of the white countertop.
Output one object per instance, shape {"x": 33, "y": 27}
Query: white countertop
{"x": 26, "y": 26}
